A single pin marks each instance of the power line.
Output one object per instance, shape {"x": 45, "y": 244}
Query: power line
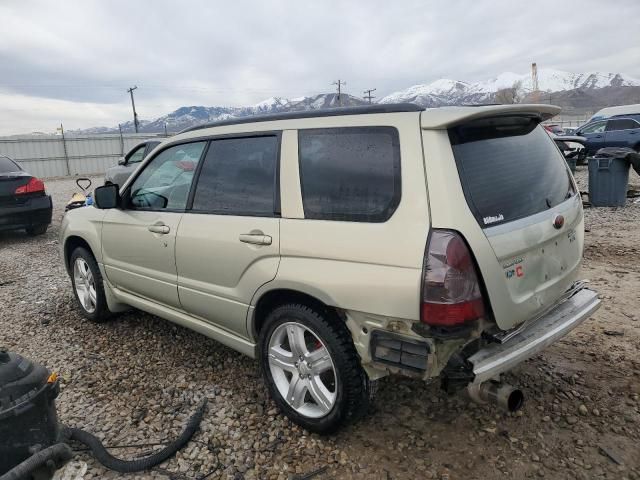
{"x": 133, "y": 105}
{"x": 339, "y": 85}
{"x": 368, "y": 95}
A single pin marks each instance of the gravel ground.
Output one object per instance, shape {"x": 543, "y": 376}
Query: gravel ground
{"x": 137, "y": 378}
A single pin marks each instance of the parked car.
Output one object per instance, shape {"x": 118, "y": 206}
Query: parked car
{"x": 24, "y": 202}
{"x": 617, "y": 131}
{"x": 340, "y": 246}
{"x": 118, "y": 174}
{"x": 554, "y": 128}
{"x": 571, "y": 147}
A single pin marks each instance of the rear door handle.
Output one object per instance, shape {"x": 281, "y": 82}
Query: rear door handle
{"x": 255, "y": 238}
{"x": 160, "y": 228}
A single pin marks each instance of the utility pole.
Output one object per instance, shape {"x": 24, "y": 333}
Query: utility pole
{"x": 368, "y": 95}
{"x": 133, "y": 104}
{"x": 64, "y": 147}
{"x": 339, "y": 85}
{"x": 121, "y": 140}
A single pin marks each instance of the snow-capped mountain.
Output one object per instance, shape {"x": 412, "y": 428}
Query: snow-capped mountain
{"x": 592, "y": 90}
{"x": 455, "y": 92}
{"x": 186, "y": 117}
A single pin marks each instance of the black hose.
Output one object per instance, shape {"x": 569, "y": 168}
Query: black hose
{"x": 129, "y": 466}
{"x": 60, "y": 453}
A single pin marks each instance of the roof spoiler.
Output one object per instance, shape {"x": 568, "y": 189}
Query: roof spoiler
{"x": 442, "y": 118}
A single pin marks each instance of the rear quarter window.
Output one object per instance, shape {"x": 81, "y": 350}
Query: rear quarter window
{"x": 8, "y": 166}
{"x": 350, "y": 174}
{"x": 507, "y": 171}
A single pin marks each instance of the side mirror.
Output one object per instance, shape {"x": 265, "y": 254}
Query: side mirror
{"x": 106, "y": 196}
{"x": 122, "y": 161}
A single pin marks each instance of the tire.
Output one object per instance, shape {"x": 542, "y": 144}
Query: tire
{"x": 85, "y": 273}
{"x": 34, "y": 230}
{"x": 329, "y": 387}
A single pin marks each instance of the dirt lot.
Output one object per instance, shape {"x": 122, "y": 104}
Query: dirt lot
{"x": 135, "y": 379}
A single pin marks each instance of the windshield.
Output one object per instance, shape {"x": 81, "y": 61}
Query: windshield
{"x": 509, "y": 169}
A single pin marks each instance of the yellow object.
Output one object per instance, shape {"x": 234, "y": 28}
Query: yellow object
{"x": 52, "y": 378}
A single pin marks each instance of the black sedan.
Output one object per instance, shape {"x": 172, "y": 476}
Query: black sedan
{"x": 24, "y": 203}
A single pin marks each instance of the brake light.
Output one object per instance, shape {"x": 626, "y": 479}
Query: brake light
{"x": 33, "y": 186}
{"x": 451, "y": 293}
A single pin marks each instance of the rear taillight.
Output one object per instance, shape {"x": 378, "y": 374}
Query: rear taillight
{"x": 34, "y": 185}
{"x": 451, "y": 293}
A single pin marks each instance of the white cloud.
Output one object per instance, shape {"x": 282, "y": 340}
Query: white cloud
{"x": 198, "y": 52}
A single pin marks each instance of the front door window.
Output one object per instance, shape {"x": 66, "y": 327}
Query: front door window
{"x": 165, "y": 182}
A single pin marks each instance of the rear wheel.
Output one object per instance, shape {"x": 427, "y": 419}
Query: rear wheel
{"x": 312, "y": 369}
{"x": 37, "y": 229}
{"x": 87, "y": 285}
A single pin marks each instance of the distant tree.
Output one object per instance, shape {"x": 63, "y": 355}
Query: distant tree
{"x": 510, "y": 95}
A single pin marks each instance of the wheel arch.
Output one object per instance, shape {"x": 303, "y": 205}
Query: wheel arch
{"x": 70, "y": 244}
{"x": 264, "y": 302}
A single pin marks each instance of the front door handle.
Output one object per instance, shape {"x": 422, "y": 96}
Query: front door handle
{"x": 160, "y": 228}
{"x": 255, "y": 238}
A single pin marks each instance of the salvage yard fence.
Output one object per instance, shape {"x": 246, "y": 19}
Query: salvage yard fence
{"x": 65, "y": 155}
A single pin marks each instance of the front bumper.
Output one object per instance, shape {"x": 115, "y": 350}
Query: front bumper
{"x": 499, "y": 358}
{"x": 35, "y": 211}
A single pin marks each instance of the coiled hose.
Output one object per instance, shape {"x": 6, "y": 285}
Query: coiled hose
{"x": 59, "y": 453}
{"x": 129, "y": 466}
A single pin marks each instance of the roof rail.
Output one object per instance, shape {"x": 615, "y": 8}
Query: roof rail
{"x": 328, "y": 112}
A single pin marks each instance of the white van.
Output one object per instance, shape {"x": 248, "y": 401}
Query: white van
{"x": 620, "y": 110}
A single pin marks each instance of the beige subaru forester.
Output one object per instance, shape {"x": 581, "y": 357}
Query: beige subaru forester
{"x": 341, "y": 246}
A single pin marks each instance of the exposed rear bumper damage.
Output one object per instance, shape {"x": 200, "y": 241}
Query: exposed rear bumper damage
{"x": 497, "y": 358}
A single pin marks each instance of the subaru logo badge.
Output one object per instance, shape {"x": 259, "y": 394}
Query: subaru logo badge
{"x": 558, "y": 222}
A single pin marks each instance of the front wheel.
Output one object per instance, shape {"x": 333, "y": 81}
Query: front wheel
{"x": 312, "y": 369}
{"x": 87, "y": 285}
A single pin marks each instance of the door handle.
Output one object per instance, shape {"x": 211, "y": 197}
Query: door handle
{"x": 160, "y": 228}
{"x": 255, "y": 238}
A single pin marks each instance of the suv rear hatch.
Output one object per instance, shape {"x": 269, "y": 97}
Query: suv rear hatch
{"x": 522, "y": 214}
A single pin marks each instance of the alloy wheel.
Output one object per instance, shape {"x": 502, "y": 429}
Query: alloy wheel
{"x": 302, "y": 370}
{"x": 84, "y": 285}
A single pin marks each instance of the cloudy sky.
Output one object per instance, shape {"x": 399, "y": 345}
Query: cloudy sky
{"x": 72, "y": 61}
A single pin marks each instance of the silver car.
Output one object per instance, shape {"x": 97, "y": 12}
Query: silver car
{"x": 118, "y": 174}
{"x": 340, "y": 246}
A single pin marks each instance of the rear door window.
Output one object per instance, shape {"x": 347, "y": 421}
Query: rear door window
{"x": 238, "y": 177}
{"x": 622, "y": 124}
{"x": 509, "y": 169}
{"x": 350, "y": 174}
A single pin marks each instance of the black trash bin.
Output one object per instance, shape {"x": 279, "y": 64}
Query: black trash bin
{"x": 609, "y": 177}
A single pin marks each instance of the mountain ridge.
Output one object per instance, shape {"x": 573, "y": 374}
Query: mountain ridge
{"x": 572, "y": 91}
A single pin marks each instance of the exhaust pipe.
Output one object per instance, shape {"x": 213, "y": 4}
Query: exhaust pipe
{"x": 502, "y": 394}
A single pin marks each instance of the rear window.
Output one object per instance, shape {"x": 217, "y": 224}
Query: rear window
{"x": 350, "y": 174}
{"x": 7, "y": 165}
{"x": 509, "y": 169}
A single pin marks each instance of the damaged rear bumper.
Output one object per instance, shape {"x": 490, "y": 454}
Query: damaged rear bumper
{"x": 498, "y": 358}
